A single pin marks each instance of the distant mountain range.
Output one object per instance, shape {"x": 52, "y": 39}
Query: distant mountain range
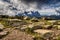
{"x": 16, "y": 7}
{"x": 38, "y": 15}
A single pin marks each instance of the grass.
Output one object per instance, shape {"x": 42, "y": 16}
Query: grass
{"x": 30, "y": 30}
{"x": 5, "y": 23}
{"x": 58, "y": 38}
{"x": 36, "y": 36}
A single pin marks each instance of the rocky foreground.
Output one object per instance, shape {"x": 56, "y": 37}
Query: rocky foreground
{"x": 29, "y": 29}
{"x": 13, "y": 34}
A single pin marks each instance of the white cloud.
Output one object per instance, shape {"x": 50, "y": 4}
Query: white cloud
{"x": 47, "y": 10}
{"x": 21, "y": 7}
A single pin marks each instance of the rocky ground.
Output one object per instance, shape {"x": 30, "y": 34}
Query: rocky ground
{"x": 34, "y": 29}
{"x": 13, "y": 34}
{"x": 17, "y": 35}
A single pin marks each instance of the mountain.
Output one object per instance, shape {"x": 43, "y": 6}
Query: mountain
{"x": 17, "y": 7}
{"x": 30, "y": 14}
{"x": 38, "y": 15}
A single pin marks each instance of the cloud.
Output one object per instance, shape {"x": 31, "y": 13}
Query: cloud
{"x": 40, "y": 3}
{"x": 8, "y": 6}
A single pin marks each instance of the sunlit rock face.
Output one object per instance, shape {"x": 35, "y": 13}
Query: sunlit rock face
{"x": 44, "y": 7}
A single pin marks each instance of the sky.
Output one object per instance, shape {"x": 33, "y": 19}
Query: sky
{"x": 45, "y": 7}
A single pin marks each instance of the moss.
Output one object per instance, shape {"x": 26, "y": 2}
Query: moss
{"x": 31, "y": 32}
{"x": 58, "y": 38}
{"x": 6, "y": 24}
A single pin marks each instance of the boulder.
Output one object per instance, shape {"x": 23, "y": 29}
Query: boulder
{"x": 26, "y": 18}
{"x": 43, "y": 31}
{"x": 3, "y": 33}
{"x": 37, "y": 27}
{"x": 58, "y": 27}
{"x": 48, "y": 36}
{"x": 42, "y": 23}
{"x": 23, "y": 27}
{"x": 30, "y": 25}
{"x": 55, "y": 26}
{"x": 52, "y": 21}
{"x": 47, "y": 26}
{"x": 1, "y": 27}
{"x": 34, "y": 20}
{"x": 58, "y": 23}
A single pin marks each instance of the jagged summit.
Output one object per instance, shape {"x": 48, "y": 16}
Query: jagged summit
{"x": 30, "y": 14}
{"x": 17, "y": 7}
{"x": 38, "y": 15}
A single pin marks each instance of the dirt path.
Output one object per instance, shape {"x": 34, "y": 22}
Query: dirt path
{"x": 17, "y": 35}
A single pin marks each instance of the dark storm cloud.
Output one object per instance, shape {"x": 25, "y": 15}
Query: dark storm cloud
{"x": 38, "y": 1}
{"x": 41, "y": 1}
